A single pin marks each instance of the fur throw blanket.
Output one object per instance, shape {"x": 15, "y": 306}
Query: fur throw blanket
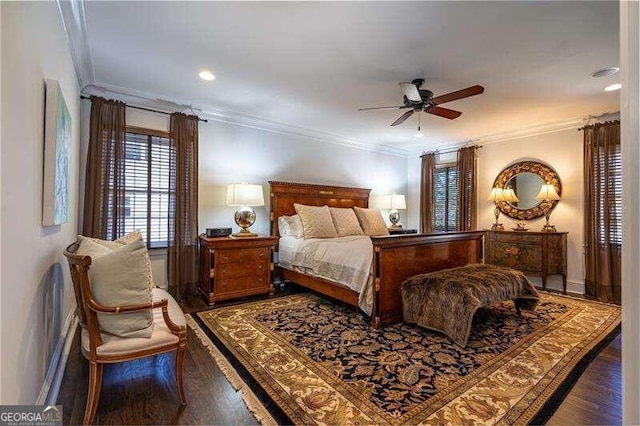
{"x": 446, "y": 300}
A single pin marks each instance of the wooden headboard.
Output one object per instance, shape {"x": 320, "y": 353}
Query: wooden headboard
{"x": 285, "y": 194}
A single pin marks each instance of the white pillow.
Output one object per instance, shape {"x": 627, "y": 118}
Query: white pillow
{"x": 371, "y": 221}
{"x": 316, "y": 221}
{"x": 345, "y": 221}
{"x": 290, "y": 226}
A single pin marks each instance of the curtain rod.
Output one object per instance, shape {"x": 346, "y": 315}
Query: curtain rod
{"x": 603, "y": 122}
{"x": 448, "y": 151}
{"x": 597, "y": 117}
{"x": 146, "y": 109}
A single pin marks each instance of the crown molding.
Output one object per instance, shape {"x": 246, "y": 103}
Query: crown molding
{"x": 74, "y": 22}
{"x": 155, "y": 101}
{"x": 75, "y": 27}
{"x": 537, "y": 130}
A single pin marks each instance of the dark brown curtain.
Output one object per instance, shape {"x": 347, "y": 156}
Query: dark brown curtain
{"x": 183, "y": 204}
{"x": 426, "y": 193}
{"x": 603, "y": 211}
{"x": 466, "y": 220}
{"x": 104, "y": 183}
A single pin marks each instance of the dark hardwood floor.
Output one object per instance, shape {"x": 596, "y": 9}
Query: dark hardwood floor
{"x": 144, "y": 391}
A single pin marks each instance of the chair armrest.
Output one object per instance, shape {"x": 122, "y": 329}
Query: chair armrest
{"x": 95, "y": 306}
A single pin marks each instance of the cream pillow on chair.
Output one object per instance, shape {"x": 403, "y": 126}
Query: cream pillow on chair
{"x": 345, "y": 221}
{"x": 371, "y": 221}
{"x": 120, "y": 277}
{"x": 316, "y": 221}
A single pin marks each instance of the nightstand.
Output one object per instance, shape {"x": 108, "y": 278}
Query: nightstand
{"x": 235, "y": 267}
{"x": 400, "y": 231}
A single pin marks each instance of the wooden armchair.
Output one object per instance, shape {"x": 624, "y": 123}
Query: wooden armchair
{"x": 169, "y": 332}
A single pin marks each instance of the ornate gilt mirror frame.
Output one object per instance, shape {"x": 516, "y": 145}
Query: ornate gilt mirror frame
{"x": 545, "y": 172}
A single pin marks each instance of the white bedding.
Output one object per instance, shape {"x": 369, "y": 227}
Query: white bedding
{"x": 345, "y": 260}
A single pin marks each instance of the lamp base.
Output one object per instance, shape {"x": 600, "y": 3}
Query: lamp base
{"x": 548, "y": 228}
{"x": 244, "y": 217}
{"x": 497, "y": 227}
{"x": 394, "y": 218}
{"x": 244, "y": 233}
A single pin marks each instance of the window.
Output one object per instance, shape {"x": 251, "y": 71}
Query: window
{"x": 609, "y": 179}
{"x": 146, "y": 175}
{"x": 445, "y": 194}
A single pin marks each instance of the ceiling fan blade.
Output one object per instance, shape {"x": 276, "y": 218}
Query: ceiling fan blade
{"x": 459, "y": 94}
{"x": 402, "y": 118}
{"x": 444, "y": 112}
{"x": 411, "y": 91}
{"x": 389, "y": 107}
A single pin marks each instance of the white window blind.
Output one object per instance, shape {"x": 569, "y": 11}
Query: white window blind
{"x": 445, "y": 198}
{"x": 147, "y": 170}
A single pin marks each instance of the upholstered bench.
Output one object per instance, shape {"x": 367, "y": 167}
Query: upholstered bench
{"x": 446, "y": 300}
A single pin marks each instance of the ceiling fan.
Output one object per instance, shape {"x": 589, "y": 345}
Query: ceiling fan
{"x": 422, "y": 100}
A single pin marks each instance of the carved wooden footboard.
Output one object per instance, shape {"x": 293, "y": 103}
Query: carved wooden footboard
{"x": 397, "y": 258}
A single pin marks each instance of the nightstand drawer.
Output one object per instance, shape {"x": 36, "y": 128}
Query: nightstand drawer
{"x": 224, "y": 257}
{"x": 242, "y": 284}
{"x": 241, "y": 270}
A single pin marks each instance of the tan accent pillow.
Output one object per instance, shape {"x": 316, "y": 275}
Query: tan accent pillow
{"x": 371, "y": 221}
{"x": 316, "y": 221}
{"x": 118, "y": 278}
{"x": 125, "y": 239}
{"x": 345, "y": 221}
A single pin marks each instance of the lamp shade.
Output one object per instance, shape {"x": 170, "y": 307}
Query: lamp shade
{"x": 242, "y": 194}
{"x": 496, "y": 195}
{"x": 510, "y": 195}
{"x": 547, "y": 193}
{"x": 393, "y": 202}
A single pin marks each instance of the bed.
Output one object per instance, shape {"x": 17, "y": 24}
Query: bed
{"x": 394, "y": 258}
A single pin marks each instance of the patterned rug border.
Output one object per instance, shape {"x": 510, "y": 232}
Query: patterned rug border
{"x": 260, "y": 403}
{"x": 267, "y": 411}
{"x": 253, "y": 402}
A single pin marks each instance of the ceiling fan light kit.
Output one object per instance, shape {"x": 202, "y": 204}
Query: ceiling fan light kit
{"x": 422, "y": 100}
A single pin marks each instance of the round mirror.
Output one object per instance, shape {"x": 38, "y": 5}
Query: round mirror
{"x": 526, "y": 178}
{"x": 526, "y": 186}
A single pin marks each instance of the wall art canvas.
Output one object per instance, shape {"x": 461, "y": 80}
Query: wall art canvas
{"x": 57, "y": 150}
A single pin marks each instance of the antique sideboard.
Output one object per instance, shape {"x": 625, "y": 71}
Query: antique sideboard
{"x": 539, "y": 253}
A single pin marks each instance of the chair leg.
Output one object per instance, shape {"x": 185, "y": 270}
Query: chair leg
{"x": 95, "y": 383}
{"x": 179, "y": 363}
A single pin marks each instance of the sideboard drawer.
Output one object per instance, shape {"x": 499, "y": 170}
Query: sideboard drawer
{"x": 517, "y": 237}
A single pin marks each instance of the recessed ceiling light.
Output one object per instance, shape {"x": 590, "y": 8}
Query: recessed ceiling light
{"x": 206, "y": 75}
{"x": 605, "y": 72}
{"x": 613, "y": 87}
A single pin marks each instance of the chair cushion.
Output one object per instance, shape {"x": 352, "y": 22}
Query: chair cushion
{"x": 118, "y": 278}
{"x": 161, "y": 336}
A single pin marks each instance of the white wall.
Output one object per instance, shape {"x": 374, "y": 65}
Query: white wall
{"x": 563, "y": 152}
{"x": 34, "y": 271}
{"x": 231, "y": 153}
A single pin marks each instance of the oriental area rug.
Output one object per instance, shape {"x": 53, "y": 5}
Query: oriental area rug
{"x": 303, "y": 359}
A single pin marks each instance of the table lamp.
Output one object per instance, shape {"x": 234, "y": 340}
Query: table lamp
{"x": 548, "y": 193}
{"x": 245, "y": 196}
{"x": 497, "y": 195}
{"x": 510, "y": 195}
{"x": 394, "y": 202}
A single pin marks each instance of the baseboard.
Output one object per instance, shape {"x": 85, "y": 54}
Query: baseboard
{"x": 53, "y": 379}
{"x": 554, "y": 282}
{"x": 575, "y": 287}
